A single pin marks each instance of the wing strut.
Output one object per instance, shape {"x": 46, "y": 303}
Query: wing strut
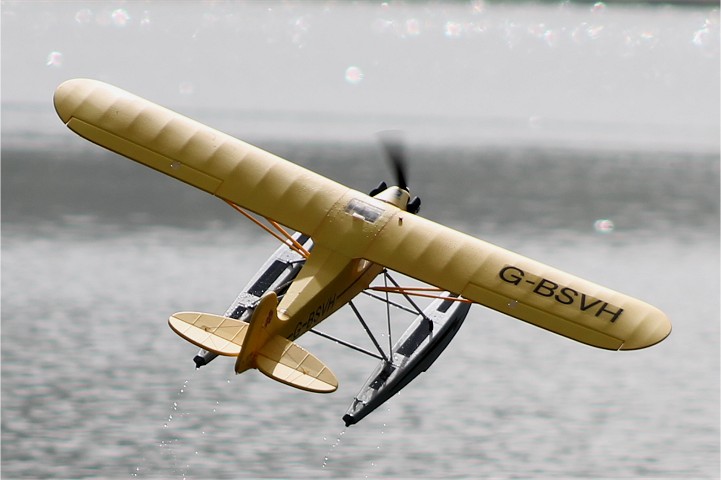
{"x": 388, "y": 312}
{"x": 288, "y": 240}
{"x": 346, "y": 344}
{"x": 416, "y": 292}
{"x": 368, "y": 331}
{"x": 398, "y": 288}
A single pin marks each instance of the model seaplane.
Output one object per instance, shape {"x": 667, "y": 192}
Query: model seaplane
{"x": 336, "y": 241}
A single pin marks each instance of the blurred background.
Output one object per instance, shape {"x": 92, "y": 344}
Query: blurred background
{"x": 585, "y": 135}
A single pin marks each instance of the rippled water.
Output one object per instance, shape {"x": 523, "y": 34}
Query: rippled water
{"x": 97, "y": 251}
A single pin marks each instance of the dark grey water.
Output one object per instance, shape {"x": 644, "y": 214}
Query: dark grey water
{"x": 98, "y": 251}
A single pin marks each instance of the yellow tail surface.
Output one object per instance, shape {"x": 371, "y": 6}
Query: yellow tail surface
{"x": 289, "y": 363}
{"x": 220, "y": 335}
{"x": 255, "y": 347}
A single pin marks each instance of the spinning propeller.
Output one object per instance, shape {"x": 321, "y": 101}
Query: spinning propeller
{"x": 396, "y": 155}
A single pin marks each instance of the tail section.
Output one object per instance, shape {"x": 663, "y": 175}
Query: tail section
{"x": 259, "y": 332}
{"x": 220, "y": 335}
{"x": 289, "y": 363}
{"x": 256, "y": 346}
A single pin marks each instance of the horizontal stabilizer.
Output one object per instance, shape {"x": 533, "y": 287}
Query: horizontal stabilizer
{"x": 289, "y": 363}
{"x": 214, "y": 333}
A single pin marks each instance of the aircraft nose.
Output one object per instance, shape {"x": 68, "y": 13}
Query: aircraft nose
{"x": 652, "y": 330}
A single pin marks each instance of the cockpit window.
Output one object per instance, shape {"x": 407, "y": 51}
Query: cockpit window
{"x": 369, "y": 213}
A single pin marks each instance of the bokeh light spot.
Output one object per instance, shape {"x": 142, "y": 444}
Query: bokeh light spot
{"x": 413, "y": 27}
{"x": 145, "y": 19}
{"x": 353, "y": 75}
{"x": 84, "y": 16}
{"x": 55, "y": 59}
{"x": 120, "y": 17}
{"x": 453, "y": 29}
{"x": 186, "y": 88}
{"x": 598, "y": 7}
{"x": 603, "y": 225}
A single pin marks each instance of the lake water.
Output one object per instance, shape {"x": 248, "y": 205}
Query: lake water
{"x": 98, "y": 251}
{"x": 584, "y": 136}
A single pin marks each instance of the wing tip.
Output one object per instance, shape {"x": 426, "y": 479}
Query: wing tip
{"x": 653, "y": 331}
{"x": 69, "y": 95}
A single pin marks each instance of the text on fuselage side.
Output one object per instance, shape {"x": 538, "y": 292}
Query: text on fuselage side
{"x": 563, "y": 295}
{"x": 315, "y": 316}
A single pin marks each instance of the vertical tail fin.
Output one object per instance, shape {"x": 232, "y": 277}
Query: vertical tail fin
{"x": 259, "y": 331}
{"x": 278, "y": 357}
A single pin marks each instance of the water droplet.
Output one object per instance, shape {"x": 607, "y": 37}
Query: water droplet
{"x": 175, "y": 166}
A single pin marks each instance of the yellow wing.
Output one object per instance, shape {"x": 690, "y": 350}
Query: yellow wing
{"x": 333, "y": 215}
{"x": 196, "y": 154}
{"x": 517, "y": 286}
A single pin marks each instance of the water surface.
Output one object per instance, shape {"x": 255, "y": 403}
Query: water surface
{"x": 97, "y": 252}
